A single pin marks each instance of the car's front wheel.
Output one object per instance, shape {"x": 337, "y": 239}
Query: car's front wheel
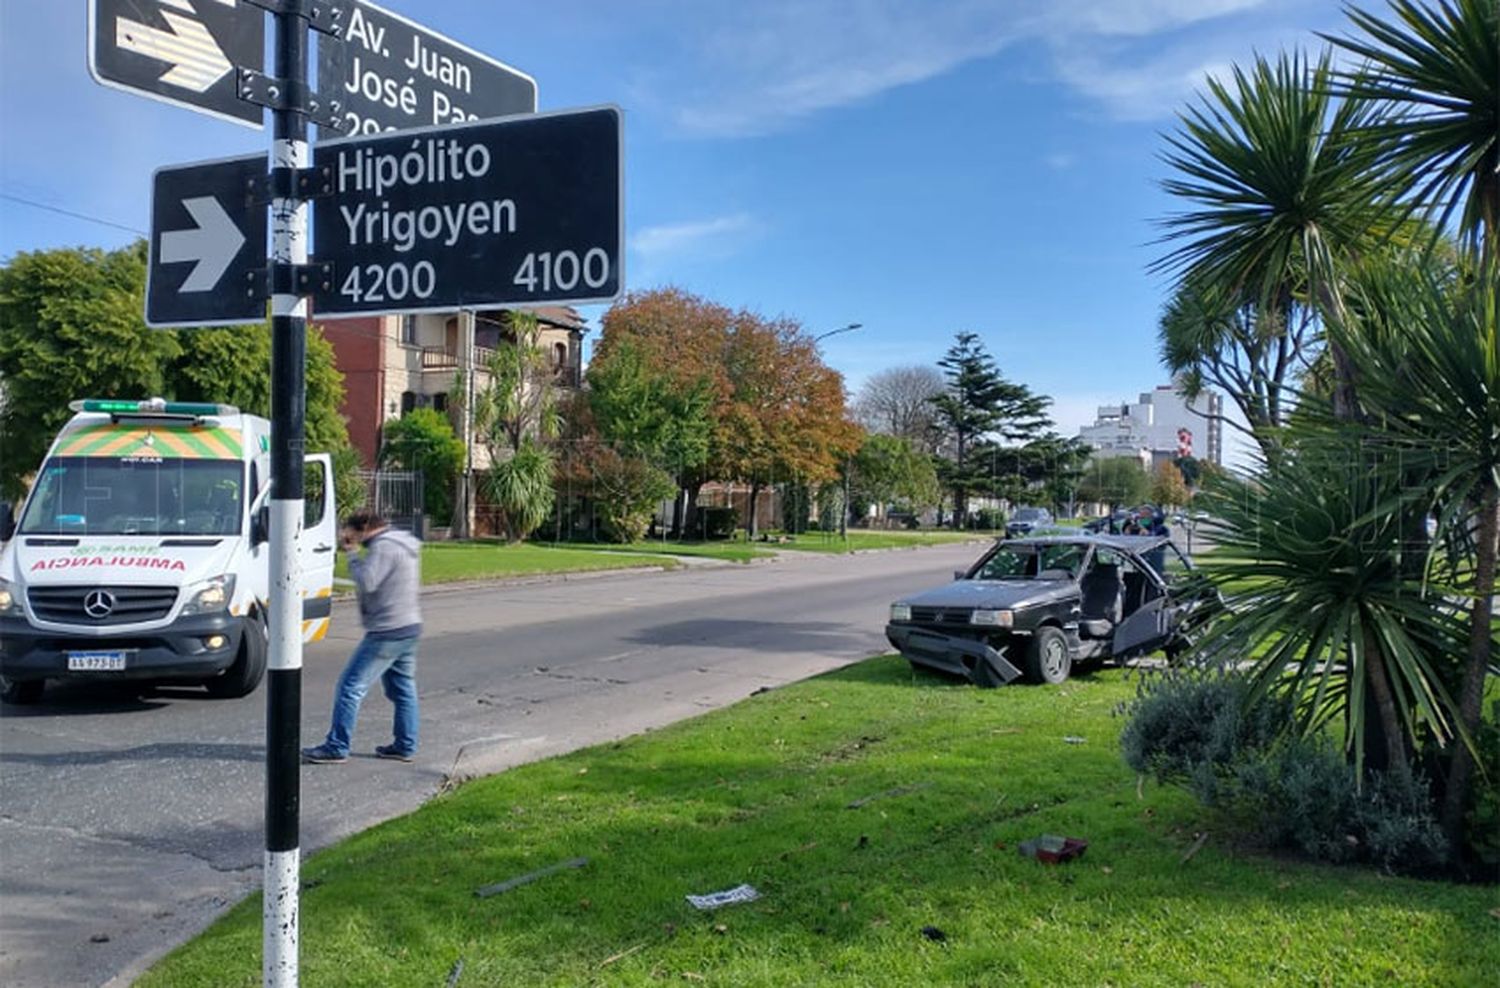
{"x": 1048, "y": 659}
{"x": 249, "y": 666}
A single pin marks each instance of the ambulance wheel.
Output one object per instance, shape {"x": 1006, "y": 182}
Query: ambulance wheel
{"x": 249, "y": 666}
{"x": 21, "y": 693}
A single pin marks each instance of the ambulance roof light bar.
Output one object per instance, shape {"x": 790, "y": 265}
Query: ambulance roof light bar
{"x": 152, "y": 406}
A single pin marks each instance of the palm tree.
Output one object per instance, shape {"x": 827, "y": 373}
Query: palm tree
{"x": 1434, "y": 75}
{"x": 1310, "y": 560}
{"x": 1283, "y": 198}
{"x": 1427, "y": 343}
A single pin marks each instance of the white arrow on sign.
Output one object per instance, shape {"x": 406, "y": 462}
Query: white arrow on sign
{"x": 213, "y": 244}
{"x": 196, "y": 59}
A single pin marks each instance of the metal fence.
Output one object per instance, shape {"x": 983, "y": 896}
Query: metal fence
{"x": 395, "y": 495}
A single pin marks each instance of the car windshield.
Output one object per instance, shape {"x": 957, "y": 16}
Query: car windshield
{"x": 1031, "y": 562}
{"x": 1030, "y": 514}
{"x": 84, "y": 495}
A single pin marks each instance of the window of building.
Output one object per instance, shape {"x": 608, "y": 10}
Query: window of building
{"x": 408, "y": 402}
{"x": 440, "y": 401}
{"x": 409, "y": 330}
{"x": 559, "y": 356}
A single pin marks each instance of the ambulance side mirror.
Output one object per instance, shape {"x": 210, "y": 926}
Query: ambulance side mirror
{"x": 7, "y": 521}
{"x": 260, "y": 525}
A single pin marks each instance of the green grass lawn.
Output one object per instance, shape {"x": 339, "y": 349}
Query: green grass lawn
{"x": 732, "y": 552}
{"x": 860, "y": 539}
{"x": 944, "y": 780}
{"x": 450, "y": 562}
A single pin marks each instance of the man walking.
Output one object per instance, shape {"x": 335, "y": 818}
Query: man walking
{"x": 386, "y": 579}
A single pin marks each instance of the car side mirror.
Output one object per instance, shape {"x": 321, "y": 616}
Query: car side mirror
{"x": 7, "y": 521}
{"x": 959, "y": 574}
{"x": 260, "y": 525}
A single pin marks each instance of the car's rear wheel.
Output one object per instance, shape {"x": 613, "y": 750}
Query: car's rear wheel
{"x": 21, "y": 693}
{"x": 1048, "y": 659}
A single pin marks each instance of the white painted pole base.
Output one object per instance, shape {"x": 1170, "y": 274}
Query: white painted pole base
{"x": 279, "y": 919}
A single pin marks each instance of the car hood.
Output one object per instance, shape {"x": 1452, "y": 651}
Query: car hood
{"x": 1012, "y": 594}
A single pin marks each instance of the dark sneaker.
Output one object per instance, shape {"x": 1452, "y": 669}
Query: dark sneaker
{"x": 323, "y": 755}
{"x": 392, "y": 752}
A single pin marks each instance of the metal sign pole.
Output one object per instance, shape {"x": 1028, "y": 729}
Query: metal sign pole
{"x": 289, "y": 226}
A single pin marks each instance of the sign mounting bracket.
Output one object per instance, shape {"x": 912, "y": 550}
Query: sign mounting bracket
{"x": 285, "y": 95}
{"x": 325, "y": 18}
{"x": 289, "y": 183}
{"x": 292, "y": 279}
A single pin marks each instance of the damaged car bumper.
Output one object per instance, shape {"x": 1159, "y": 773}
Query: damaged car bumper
{"x": 970, "y": 658}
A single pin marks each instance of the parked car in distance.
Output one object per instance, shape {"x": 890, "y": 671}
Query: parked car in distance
{"x": 1049, "y": 605}
{"x": 1027, "y": 520}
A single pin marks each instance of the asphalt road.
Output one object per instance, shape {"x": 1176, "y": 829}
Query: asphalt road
{"x": 128, "y": 823}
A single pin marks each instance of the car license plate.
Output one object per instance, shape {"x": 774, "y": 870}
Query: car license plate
{"x": 96, "y": 661}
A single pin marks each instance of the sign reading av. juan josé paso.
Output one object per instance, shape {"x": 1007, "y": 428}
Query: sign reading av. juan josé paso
{"x": 388, "y": 73}
{"x": 520, "y": 211}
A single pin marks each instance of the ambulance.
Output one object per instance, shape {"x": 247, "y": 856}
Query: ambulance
{"x": 141, "y": 552}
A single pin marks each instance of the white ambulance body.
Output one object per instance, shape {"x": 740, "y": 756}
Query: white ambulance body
{"x": 141, "y": 552}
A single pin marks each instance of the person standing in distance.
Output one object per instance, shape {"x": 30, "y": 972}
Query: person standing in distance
{"x": 387, "y": 579}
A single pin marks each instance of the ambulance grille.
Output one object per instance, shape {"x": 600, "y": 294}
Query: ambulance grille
{"x": 128, "y": 605}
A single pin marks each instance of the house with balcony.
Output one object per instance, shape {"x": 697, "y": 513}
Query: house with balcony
{"x": 394, "y": 364}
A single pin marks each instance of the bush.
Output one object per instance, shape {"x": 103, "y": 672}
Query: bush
{"x": 912, "y": 522}
{"x": 1482, "y": 822}
{"x": 992, "y": 519}
{"x": 719, "y": 523}
{"x": 628, "y": 492}
{"x": 1199, "y": 731}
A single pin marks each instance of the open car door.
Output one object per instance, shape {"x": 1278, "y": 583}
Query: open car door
{"x": 1147, "y": 622}
{"x": 319, "y": 545}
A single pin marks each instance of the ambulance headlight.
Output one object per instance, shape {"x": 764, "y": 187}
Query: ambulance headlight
{"x": 210, "y": 595}
{"x": 10, "y": 600}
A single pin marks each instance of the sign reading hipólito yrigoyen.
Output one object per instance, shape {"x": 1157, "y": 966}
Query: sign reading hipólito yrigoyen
{"x": 388, "y": 73}
{"x": 526, "y": 210}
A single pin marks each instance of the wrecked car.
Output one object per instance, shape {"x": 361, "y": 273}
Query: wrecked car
{"x": 1047, "y": 606}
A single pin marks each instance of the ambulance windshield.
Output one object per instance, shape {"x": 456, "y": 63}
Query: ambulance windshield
{"x": 87, "y": 495}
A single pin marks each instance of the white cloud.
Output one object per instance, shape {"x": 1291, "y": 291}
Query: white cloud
{"x": 755, "y": 68}
{"x": 673, "y": 238}
{"x": 1060, "y": 160}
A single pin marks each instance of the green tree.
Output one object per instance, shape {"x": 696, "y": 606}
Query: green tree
{"x": 979, "y": 404}
{"x": 1116, "y": 481}
{"x": 423, "y": 440}
{"x": 646, "y": 414}
{"x": 71, "y": 326}
{"x": 887, "y": 469}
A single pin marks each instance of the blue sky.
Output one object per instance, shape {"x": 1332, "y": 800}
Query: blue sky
{"x": 918, "y": 167}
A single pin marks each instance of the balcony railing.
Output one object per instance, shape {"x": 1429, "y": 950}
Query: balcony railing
{"x": 441, "y": 358}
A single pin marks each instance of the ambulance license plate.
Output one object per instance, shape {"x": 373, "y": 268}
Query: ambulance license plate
{"x": 96, "y": 661}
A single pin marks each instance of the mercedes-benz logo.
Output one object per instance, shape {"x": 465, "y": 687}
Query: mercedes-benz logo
{"x": 98, "y": 604}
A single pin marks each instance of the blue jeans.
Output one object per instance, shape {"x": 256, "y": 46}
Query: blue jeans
{"x": 394, "y": 661}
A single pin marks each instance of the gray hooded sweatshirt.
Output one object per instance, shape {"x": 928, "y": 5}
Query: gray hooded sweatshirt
{"x": 388, "y": 577}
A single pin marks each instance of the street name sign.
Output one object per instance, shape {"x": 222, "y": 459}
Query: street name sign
{"x": 388, "y": 73}
{"x": 519, "y": 211}
{"x": 183, "y": 52}
{"x": 208, "y": 244}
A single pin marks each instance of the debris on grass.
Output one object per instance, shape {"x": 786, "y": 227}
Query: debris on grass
{"x": 1195, "y": 848}
{"x": 728, "y": 897}
{"x": 1052, "y": 849}
{"x": 456, "y": 972}
{"x": 529, "y": 877}
{"x": 1074, "y": 739}
{"x": 934, "y": 934}
{"x": 621, "y": 955}
{"x": 888, "y": 794}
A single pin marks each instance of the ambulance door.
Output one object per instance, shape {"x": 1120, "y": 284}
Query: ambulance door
{"x": 319, "y": 547}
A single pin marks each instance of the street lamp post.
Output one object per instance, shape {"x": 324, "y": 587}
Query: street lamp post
{"x": 844, "y": 514}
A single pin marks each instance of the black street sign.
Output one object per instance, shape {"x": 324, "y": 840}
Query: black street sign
{"x": 179, "y": 51}
{"x": 391, "y": 74}
{"x": 519, "y": 211}
{"x": 208, "y": 245}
